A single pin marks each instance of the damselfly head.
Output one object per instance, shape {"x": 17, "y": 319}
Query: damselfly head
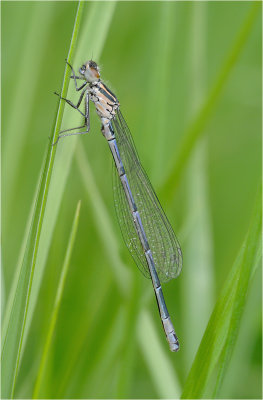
{"x": 90, "y": 71}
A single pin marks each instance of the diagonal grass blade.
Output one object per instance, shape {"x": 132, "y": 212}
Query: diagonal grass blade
{"x": 221, "y": 332}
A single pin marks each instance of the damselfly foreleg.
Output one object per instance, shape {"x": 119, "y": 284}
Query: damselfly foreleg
{"x": 75, "y": 77}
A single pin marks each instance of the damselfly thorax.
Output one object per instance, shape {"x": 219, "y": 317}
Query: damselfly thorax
{"x": 105, "y": 101}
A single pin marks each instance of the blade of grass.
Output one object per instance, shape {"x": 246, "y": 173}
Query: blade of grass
{"x": 3, "y": 294}
{"x": 252, "y": 254}
{"x": 104, "y": 359}
{"x": 98, "y": 19}
{"x": 8, "y": 307}
{"x": 83, "y": 336}
{"x": 221, "y": 332}
{"x": 196, "y": 129}
{"x": 13, "y": 339}
{"x": 58, "y": 300}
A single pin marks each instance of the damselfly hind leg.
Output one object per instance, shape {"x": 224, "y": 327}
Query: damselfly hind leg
{"x": 72, "y": 134}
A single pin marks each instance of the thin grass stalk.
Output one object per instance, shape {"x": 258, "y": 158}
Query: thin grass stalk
{"x": 82, "y": 338}
{"x": 58, "y": 299}
{"x": 13, "y": 340}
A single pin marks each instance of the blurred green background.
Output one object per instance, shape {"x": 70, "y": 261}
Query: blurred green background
{"x": 162, "y": 60}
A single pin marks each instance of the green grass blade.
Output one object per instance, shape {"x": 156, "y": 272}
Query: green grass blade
{"x": 81, "y": 339}
{"x": 196, "y": 129}
{"x": 3, "y": 294}
{"x": 251, "y": 259}
{"x": 13, "y": 339}
{"x": 106, "y": 357}
{"x": 221, "y": 332}
{"x": 98, "y": 19}
{"x": 8, "y": 306}
{"x": 58, "y": 300}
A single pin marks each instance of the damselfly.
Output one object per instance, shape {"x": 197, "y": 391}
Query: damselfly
{"x": 144, "y": 225}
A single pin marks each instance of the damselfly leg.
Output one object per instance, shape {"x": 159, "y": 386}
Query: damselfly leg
{"x": 75, "y": 77}
{"x": 76, "y": 107}
{"x": 69, "y": 102}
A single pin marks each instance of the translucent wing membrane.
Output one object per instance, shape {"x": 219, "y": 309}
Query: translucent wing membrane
{"x": 163, "y": 243}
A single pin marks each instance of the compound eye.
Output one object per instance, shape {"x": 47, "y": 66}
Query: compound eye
{"x": 83, "y": 67}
